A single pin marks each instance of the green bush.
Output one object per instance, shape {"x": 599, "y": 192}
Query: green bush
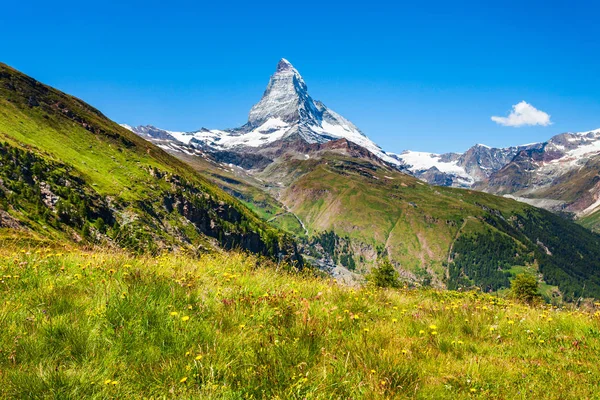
{"x": 525, "y": 288}
{"x": 385, "y": 275}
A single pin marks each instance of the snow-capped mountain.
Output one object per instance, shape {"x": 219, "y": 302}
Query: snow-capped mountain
{"x": 541, "y": 164}
{"x": 459, "y": 169}
{"x": 285, "y": 110}
{"x": 288, "y": 120}
{"x": 560, "y": 174}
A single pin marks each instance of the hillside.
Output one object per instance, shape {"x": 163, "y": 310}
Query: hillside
{"x": 69, "y": 173}
{"x": 244, "y": 187}
{"x": 349, "y": 209}
{"x": 107, "y": 325}
{"x": 449, "y": 237}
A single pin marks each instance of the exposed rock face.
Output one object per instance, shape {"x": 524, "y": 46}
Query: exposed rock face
{"x": 460, "y": 170}
{"x": 285, "y": 98}
{"x": 7, "y": 221}
{"x": 436, "y": 177}
{"x": 482, "y": 161}
{"x": 48, "y": 197}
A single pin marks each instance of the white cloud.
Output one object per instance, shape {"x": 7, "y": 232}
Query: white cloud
{"x": 523, "y": 114}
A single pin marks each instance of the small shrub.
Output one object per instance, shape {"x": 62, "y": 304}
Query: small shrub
{"x": 385, "y": 275}
{"x": 525, "y": 288}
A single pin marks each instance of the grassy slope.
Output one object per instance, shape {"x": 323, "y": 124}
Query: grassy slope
{"x": 105, "y": 325}
{"x": 113, "y": 160}
{"x": 418, "y": 223}
{"x": 591, "y": 221}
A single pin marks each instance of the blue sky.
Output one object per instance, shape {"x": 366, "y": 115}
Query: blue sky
{"x": 423, "y": 75}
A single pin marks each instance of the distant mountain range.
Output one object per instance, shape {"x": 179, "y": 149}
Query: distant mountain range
{"x": 459, "y": 169}
{"x": 311, "y": 172}
{"x": 560, "y": 175}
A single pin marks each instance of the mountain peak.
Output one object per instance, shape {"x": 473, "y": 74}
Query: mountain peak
{"x": 285, "y": 110}
{"x": 285, "y": 98}
{"x": 284, "y": 65}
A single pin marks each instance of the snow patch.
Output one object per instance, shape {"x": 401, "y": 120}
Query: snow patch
{"x": 423, "y": 161}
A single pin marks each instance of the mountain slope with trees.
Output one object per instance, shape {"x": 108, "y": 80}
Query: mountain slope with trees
{"x": 69, "y": 173}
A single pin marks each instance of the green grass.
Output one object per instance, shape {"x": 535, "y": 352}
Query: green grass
{"x": 591, "y": 221}
{"x": 288, "y": 223}
{"x": 96, "y": 324}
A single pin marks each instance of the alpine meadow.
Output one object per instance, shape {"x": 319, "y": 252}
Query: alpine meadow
{"x": 156, "y": 243}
